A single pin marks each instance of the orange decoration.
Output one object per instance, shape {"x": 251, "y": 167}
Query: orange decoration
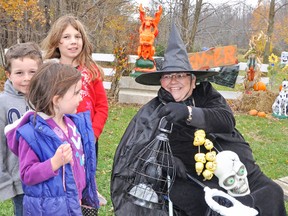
{"x": 251, "y": 74}
{"x": 259, "y": 86}
{"x": 261, "y": 114}
{"x": 148, "y": 32}
{"x": 214, "y": 57}
{"x": 253, "y": 112}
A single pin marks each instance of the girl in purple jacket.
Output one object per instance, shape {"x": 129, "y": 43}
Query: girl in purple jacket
{"x": 55, "y": 146}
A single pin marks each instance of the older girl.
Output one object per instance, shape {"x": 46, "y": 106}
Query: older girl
{"x": 68, "y": 41}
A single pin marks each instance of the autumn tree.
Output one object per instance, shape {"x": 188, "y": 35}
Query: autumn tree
{"x": 281, "y": 30}
{"x": 263, "y": 19}
{"x": 270, "y": 30}
{"x": 259, "y": 19}
{"x": 197, "y": 14}
{"x": 18, "y": 19}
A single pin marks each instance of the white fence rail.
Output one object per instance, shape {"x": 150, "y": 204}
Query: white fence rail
{"x": 263, "y": 67}
{"x": 110, "y": 71}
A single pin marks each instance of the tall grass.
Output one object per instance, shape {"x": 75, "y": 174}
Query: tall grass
{"x": 267, "y": 137}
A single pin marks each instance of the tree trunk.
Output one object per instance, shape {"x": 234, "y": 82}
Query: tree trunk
{"x": 195, "y": 25}
{"x": 47, "y": 15}
{"x": 121, "y": 63}
{"x": 185, "y": 20}
{"x": 73, "y": 6}
{"x": 2, "y": 57}
{"x": 269, "y": 32}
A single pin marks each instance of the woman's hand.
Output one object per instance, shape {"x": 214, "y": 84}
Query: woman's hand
{"x": 62, "y": 156}
{"x": 174, "y": 112}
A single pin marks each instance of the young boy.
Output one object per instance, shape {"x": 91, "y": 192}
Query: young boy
{"x": 22, "y": 61}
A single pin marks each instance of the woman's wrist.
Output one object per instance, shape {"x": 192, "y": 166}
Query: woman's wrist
{"x": 189, "y": 119}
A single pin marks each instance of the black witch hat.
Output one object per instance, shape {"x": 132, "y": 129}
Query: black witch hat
{"x": 175, "y": 61}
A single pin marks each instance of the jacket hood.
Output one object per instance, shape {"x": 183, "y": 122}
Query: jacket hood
{"x": 11, "y": 130}
{"x": 8, "y": 88}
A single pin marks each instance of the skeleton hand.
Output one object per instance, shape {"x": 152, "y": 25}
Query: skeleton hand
{"x": 238, "y": 209}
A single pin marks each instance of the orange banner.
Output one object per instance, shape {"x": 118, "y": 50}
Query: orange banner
{"x": 214, "y": 57}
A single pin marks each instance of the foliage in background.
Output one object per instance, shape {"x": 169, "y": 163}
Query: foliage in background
{"x": 17, "y": 9}
{"x": 160, "y": 50}
{"x": 121, "y": 69}
{"x": 257, "y": 45}
{"x": 21, "y": 17}
{"x": 2, "y": 73}
{"x": 259, "y": 17}
{"x": 281, "y": 29}
{"x": 121, "y": 61}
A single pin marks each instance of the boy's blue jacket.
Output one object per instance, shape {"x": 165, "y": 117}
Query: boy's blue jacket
{"x": 49, "y": 197}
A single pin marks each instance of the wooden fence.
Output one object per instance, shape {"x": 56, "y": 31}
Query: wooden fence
{"x": 109, "y": 58}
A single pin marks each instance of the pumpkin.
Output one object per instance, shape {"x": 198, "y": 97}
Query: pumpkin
{"x": 253, "y": 112}
{"x": 261, "y": 114}
{"x": 259, "y": 86}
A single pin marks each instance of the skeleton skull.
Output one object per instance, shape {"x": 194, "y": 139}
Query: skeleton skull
{"x": 284, "y": 58}
{"x": 232, "y": 174}
{"x": 200, "y": 157}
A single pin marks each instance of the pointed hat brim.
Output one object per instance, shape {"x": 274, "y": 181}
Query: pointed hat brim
{"x": 153, "y": 78}
{"x": 175, "y": 61}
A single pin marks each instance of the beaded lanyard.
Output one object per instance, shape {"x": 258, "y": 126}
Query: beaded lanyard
{"x": 202, "y": 159}
{"x": 207, "y": 160}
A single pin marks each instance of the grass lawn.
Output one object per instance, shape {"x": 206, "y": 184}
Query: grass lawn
{"x": 267, "y": 137}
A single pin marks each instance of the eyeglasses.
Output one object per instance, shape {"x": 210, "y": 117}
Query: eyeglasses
{"x": 177, "y": 76}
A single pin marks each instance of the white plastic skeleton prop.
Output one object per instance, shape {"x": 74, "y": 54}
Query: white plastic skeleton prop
{"x": 232, "y": 174}
{"x": 280, "y": 104}
{"x": 284, "y": 58}
{"x": 238, "y": 209}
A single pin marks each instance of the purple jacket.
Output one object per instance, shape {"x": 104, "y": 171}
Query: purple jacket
{"x": 48, "y": 196}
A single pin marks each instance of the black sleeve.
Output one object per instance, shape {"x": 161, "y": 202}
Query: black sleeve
{"x": 211, "y": 111}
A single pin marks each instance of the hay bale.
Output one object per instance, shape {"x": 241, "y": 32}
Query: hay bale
{"x": 259, "y": 100}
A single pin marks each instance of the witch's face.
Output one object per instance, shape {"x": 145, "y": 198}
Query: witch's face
{"x": 180, "y": 85}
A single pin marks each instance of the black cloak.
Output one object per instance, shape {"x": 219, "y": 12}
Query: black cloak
{"x": 216, "y": 118}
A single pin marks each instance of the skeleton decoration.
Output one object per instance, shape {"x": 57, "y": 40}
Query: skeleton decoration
{"x": 284, "y": 58}
{"x": 203, "y": 160}
{"x": 232, "y": 174}
{"x": 280, "y": 105}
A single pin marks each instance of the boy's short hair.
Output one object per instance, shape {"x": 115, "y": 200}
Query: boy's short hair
{"x": 22, "y": 50}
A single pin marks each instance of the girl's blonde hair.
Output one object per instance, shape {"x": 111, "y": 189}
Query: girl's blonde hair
{"x": 51, "y": 42}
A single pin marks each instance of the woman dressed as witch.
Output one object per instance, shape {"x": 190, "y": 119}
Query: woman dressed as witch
{"x": 216, "y": 156}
